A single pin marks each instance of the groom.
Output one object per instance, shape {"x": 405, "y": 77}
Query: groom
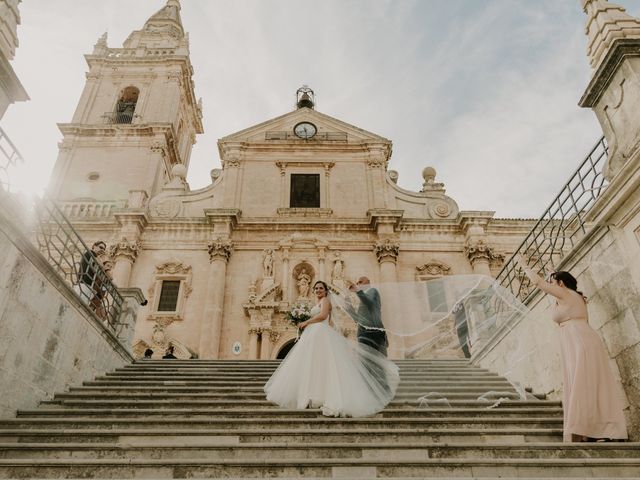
{"x": 369, "y": 316}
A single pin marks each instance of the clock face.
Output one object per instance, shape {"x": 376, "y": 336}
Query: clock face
{"x": 305, "y": 130}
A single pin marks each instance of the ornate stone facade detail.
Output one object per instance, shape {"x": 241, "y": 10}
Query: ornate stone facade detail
{"x": 267, "y": 263}
{"x": 232, "y": 162}
{"x": 274, "y": 336}
{"x": 337, "y": 272}
{"x": 479, "y": 250}
{"x": 432, "y": 269}
{"x": 165, "y": 207}
{"x": 125, "y": 248}
{"x": 386, "y": 250}
{"x": 220, "y": 248}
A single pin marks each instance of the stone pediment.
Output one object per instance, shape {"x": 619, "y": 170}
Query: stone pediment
{"x": 281, "y": 129}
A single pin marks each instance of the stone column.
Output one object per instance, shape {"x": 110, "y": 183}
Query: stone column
{"x": 285, "y": 274}
{"x": 267, "y": 335}
{"x": 124, "y": 254}
{"x": 387, "y": 252}
{"x": 253, "y": 343}
{"x": 133, "y": 298}
{"x": 265, "y": 346}
{"x": 376, "y": 171}
{"x": 220, "y": 251}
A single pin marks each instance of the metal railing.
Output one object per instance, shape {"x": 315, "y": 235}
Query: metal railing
{"x": 111, "y": 118}
{"x": 9, "y": 160}
{"x": 76, "y": 263}
{"x": 561, "y": 226}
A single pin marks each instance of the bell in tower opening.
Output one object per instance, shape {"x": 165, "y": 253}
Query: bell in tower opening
{"x": 305, "y": 97}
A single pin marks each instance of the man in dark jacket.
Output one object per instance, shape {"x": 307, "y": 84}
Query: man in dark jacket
{"x": 369, "y": 316}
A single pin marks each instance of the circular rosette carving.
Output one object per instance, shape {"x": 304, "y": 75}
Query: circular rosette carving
{"x": 440, "y": 210}
{"x": 165, "y": 207}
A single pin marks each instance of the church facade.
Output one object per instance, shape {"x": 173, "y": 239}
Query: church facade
{"x": 299, "y": 198}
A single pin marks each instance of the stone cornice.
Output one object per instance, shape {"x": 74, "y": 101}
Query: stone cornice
{"x": 619, "y": 50}
{"x": 136, "y": 217}
{"x": 379, "y": 216}
{"x": 222, "y": 215}
{"x": 470, "y": 218}
{"x": 10, "y": 83}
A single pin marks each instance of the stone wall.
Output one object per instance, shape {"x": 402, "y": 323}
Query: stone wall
{"x": 606, "y": 267}
{"x": 49, "y": 339}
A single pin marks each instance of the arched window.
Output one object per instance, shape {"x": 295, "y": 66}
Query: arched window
{"x": 126, "y": 105}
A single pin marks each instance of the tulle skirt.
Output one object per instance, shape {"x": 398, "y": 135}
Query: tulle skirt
{"x": 324, "y": 370}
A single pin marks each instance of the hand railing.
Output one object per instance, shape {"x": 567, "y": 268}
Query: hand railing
{"x": 561, "y": 226}
{"x": 10, "y": 158}
{"x": 76, "y": 263}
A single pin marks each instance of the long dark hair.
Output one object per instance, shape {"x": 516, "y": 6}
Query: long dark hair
{"x": 569, "y": 281}
{"x": 326, "y": 287}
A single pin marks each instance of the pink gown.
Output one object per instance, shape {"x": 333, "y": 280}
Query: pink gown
{"x": 592, "y": 400}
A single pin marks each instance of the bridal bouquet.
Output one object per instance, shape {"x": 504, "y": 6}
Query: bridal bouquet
{"x": 298, "y": 314}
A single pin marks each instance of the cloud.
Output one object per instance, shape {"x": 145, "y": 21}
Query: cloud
{"x": 485, "y": 92}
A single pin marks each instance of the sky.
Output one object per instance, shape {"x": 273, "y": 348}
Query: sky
{"x": 484, "y": 91}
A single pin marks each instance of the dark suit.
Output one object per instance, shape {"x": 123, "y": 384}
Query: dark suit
{"x": 369, "y": 314}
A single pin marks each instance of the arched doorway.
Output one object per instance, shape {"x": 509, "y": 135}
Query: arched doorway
{"x": 285, "y": 349}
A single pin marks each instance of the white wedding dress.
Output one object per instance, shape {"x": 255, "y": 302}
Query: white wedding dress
{"x": 324, "y": 370}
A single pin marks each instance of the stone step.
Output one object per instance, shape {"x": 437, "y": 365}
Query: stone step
{"x": 180, "y": 393}
{"x": 264, "y": 376}
{"x": 267, "y": 423}
{"x": 412, "y": 399}
{"x": 314, "y": 468}
{"x": 400, "y": 451}
{"x": 258, "y": 386}
{"x": 164, "y": 435}
{"x": 152, "y": 400}
{"x": 127, "y": 411}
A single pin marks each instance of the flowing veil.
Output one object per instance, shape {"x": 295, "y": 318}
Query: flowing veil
{"x": 447, "y": 317}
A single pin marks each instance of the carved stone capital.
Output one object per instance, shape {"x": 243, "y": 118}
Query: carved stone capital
{"x": 386, "y": 250}
{"x": 124, "y": 249}
{"x": 478, "y": 251}
{"x": 274, "y": 336}
{"x": 220, "y": 248}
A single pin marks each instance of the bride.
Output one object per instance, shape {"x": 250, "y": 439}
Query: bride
{"x": 324, "y": 370}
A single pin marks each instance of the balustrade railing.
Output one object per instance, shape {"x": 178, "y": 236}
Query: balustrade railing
{"x": 561, "y": 226}
{"x": 79, "y": 210}
{"x": 76, "y": 263}
{"x": 10, "y": 158}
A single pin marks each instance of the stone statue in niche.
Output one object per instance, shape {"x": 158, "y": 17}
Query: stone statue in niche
{"x": 303, "y": 283}
{"x": 267, "y": 263}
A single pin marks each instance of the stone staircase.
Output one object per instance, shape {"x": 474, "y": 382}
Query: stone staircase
{"x": 199, "y": 418}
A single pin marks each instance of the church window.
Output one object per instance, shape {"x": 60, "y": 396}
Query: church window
{"x": 437, "y": 296}
{"x": 305, "y": 190}
{"x": 169, "y": 291}
{"x": 169, "y": 296}
{"x": 126, "y": 105}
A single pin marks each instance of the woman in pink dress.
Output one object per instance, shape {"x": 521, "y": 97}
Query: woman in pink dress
{"x": 591, "y": 397}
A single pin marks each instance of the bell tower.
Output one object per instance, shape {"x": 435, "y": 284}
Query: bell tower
{"x": 137, "y": 116}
